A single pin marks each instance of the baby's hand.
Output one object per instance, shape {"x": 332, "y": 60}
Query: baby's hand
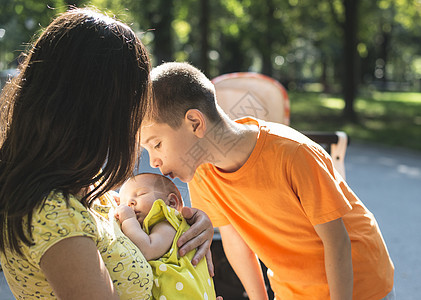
{"x": 124, "y": 212}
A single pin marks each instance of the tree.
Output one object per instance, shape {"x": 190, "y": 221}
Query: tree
{"x": 204, "y": 34}
{"x": 349, "y": 76}
{"x": 293, "y": 41}
{"x": 161, "y": 17}
{"x": 20, "y": 20}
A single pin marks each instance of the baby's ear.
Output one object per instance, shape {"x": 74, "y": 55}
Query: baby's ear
{"x": 174, "y": 201}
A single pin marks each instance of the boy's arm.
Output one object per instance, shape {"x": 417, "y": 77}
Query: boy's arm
{"x": 152, "y": 246}
{"x": 198, "y": 236}
{"x": 338, "y": 259}
{"x": 244, "y": 262}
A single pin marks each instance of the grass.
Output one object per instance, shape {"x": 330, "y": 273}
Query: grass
{"x": 388, "y": 118}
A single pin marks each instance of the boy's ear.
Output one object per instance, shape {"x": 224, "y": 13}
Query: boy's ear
{"x": 197, "y": 121}
{"x": 174, "y": 201}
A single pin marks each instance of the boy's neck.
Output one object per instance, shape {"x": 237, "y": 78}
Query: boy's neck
{"x": 231, "y": 144}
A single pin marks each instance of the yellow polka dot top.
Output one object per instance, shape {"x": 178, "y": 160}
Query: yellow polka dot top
{"x": 175, "y": 277}
{"x": 55, "y": 221}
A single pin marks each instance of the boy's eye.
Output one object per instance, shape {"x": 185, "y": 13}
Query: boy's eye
{"x": 157, "y": 145}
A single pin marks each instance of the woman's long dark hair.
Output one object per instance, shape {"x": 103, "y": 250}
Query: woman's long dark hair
{"x": 71, "y": 117}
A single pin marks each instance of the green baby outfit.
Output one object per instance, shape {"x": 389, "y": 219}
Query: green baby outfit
{"x": 174, "y": 276}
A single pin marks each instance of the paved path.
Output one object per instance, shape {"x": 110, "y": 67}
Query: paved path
{"x": 388, "y": 181}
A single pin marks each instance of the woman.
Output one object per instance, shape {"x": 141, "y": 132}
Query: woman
{"x": 69, "y": 125}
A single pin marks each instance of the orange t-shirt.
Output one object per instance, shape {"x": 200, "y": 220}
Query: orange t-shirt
{"x": 288, "y": 185}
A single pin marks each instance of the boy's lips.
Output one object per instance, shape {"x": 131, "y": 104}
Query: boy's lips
{"x": 170, "y": 174}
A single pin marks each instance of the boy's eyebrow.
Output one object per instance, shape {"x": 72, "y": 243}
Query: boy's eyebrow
{"x": 148, "y": 139}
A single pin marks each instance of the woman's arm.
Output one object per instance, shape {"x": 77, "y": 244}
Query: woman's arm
{"x": 199, "y": 236}
{"x": 244, "y": 262}
{"x": 75, "y": 270}
{"x": 152, "y": 246}
{"x": 338, "y": 259}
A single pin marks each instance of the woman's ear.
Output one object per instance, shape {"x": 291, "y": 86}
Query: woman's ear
{"x": 174, "y": 201}
{"x": 196, "y": 120}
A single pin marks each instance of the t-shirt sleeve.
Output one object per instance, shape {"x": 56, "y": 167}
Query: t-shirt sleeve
{"x": 317, "y": 185}
{"x": 202, "y": 199}
{"x": 56, "y": 221}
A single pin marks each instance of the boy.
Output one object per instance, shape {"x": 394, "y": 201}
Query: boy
{"x": 174, "y": 277}
{"x": 271, "y": 191}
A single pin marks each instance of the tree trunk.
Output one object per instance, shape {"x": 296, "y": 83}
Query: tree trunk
{"x": 204, "y": 32}
{"x": 384, "y": 56}
{"x": 323, "y": 77}
{"x": 267, "y": 42}
{"x": 163, "y": 40}
{"x": 233, "y": 59}
{"x": 350, "y": 58}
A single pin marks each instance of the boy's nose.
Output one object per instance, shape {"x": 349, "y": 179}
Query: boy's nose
{"x": 155, "y": 162}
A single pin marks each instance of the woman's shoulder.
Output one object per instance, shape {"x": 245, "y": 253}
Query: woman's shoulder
{"x": 60, "y": 216}
{"x": 59, "y": 198}
{"x": 59, "y": 204}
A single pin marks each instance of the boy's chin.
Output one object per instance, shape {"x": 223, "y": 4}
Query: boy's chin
{"x": 185, "y": 178}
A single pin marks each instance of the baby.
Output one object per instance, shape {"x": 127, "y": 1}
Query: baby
{"x": 152, "y": 202}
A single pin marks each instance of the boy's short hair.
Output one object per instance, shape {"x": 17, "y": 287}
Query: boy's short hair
{"x": 178, "y": 87}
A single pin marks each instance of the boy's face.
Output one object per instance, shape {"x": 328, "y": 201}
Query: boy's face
{"x": 173, "y": 151}
{"x": 139, "y": 193}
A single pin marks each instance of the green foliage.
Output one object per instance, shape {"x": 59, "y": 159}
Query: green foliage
{"x": 290, "y": 40}
{"x": 20, "y": 19}
{"x": 388, "y": 118}
{"x": 298, "y": 42}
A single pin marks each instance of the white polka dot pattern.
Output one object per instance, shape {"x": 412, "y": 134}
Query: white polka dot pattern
{"x": 175, "y": 277}
{"x": 163, "y": 267}
{"x": 179, "y": 286}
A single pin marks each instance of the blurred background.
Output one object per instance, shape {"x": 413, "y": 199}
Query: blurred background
{"x": 348, "y": 65}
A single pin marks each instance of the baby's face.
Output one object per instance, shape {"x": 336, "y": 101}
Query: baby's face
{"x": 139, "y": 193}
